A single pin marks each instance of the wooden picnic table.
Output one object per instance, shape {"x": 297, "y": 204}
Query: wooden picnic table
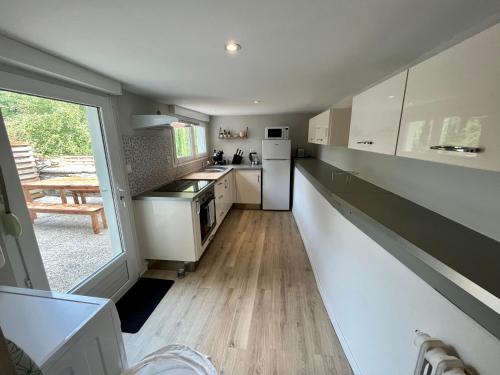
{"x": 76, "y": 185}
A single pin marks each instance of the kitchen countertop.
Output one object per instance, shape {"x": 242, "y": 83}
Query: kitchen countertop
{"x": 457, "y": 261}
{"x": 200, "y": 175}
{"x": 171, "y": 195}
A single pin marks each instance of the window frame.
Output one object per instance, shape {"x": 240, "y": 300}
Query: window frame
{"x": 195, "y": 156}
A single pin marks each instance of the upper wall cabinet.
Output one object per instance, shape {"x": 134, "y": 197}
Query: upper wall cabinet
{"x": 375, "y": 118}
{"x": 452, "y": 106}
{"x": 330, "y": 127}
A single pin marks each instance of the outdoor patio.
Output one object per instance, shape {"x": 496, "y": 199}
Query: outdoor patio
{"x": 70, "y": 250}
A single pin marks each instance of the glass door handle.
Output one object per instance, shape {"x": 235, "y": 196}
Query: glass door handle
{"x": 121, "y": 194}
{"x": 11, "y": 224}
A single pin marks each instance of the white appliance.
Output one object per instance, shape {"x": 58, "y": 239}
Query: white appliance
{"x": 276, "y": 156}
{"x": 63, "y": 333}
{"x": 277, "y": 132}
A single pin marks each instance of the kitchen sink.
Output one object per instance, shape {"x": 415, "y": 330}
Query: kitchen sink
{"x": 214, "y": 170}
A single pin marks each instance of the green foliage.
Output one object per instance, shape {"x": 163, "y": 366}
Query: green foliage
{"x": 52, "y": 127}
{"x": 183, "y": 145}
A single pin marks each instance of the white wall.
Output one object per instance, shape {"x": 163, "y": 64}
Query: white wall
{"x": 374, "y": 301}
{"x": 465, "y": 195}
{"x": 298, "y": 123}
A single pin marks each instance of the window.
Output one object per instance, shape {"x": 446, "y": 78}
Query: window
{"x": 183, "y": 143}
{"x": 190, "y": 142}
{"x": 200, "y": 139}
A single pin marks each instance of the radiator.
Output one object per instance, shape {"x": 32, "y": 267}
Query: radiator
{"x": 434, "y": 358}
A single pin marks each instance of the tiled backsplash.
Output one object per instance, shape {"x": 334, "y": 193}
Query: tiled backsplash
{"x": 152, "y": 161}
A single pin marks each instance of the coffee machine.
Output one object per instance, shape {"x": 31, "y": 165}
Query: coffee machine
{"x": 218, "y": 157}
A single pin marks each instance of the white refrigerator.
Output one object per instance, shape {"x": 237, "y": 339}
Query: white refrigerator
{"x": 276, "y": 155}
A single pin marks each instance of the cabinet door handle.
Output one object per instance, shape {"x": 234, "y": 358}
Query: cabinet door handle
{"x": 471, "y": 150}
{"x": 365, "y": 142}
{"x": 258, "y": 178}
{"x": 221, "y": 196}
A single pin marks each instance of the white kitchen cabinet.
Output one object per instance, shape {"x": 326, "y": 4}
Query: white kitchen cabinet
{"x": 376, "y": 114}
{"x": 64, "y": 333}
{"x": 169, "y": 229}
{"x": 248, "y": 186}
{"x": 452, "y": 99}
{"x": 220, "y": 205}
{"x": 330, "y": 127}
{"x": 230, "y": 190}
{"x": 224, "y": 196}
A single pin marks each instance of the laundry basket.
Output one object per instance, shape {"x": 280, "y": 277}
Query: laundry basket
{"x": 174, "y": 360}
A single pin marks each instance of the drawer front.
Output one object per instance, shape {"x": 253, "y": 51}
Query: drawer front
{"x": 453, "y": 99}
{"x": 219, "y": 188}
{"x": 375, "y": 117}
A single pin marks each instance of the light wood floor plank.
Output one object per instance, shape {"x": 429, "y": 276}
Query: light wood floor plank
{"x": 252, "y": 304}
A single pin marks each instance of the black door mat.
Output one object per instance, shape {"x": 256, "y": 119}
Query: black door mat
{"x": 135, "y": 307}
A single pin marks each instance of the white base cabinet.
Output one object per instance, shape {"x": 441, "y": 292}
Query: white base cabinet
{"x": 452, "y": 99}
{"x": 168, "y": 229}
{"x": 224, "y": 196}
{"x": 375, "y": 116}
{"x": 374, "y": 302}
{"x": 248, "y": 186}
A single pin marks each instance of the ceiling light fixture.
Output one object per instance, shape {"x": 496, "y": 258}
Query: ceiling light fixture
{"x": 256, "y": 101}
{"x": 232, "y": 47}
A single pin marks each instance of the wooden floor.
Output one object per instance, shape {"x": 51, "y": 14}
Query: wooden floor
{"x": 252, "y": 304}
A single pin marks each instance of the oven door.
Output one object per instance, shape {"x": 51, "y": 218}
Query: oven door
{"x": 207, "y": 219}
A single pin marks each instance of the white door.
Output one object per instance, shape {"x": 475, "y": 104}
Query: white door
{"x": 276, "y": 149}
{"x": 24, "y": 266}
{"x": 248, "y": 187}
{"x": 111, "y": 276}
{"x": 276, "y": 184}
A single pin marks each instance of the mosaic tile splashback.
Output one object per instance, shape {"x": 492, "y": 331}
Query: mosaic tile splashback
{"x": 152, "y": 161}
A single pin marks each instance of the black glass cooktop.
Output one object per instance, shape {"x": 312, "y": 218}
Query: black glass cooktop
{"x": 186, "y": 186}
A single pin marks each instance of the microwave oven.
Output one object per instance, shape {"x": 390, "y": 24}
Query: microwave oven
{"x": 278, "y": 132}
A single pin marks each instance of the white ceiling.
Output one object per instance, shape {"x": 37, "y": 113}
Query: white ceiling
{"x": 298, "y": 55}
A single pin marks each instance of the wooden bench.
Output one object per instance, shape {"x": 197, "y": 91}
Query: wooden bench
{"x": 93, "y": 210}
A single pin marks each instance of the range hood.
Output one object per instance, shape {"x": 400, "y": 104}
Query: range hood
{"x": 176, "y": 117}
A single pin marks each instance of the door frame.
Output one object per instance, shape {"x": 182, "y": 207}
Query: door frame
{"x": 116, "y": 166}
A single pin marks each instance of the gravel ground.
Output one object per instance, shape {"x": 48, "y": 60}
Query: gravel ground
{"x": 70, "y": 250}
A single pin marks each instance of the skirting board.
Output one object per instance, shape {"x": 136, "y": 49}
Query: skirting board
{"x": 335, "y": 323}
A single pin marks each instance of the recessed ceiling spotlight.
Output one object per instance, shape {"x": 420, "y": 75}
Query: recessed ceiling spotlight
{"x": 256, "y": 101}
{"x": 232, "y": 47}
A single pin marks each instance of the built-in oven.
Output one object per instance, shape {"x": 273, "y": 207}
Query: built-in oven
{"x": 205, "y": 207}
{"x": 276, "y": 132}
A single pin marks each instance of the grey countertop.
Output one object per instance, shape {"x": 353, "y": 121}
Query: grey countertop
{"x": 457, "y": 261}
{"x": 243, "y": 166}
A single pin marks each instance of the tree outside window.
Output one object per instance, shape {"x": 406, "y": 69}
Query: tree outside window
{"x": 190, "y": 142}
